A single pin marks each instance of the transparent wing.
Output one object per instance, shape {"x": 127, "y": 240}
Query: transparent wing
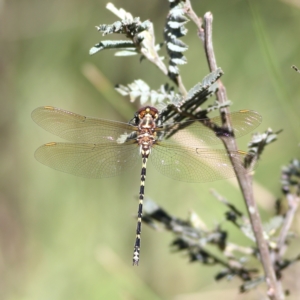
{"x": 195, "y": 165}
{"x": 81, "y": 129}
{"x": 89, "y": 160}
{"x": 195, "y": 133}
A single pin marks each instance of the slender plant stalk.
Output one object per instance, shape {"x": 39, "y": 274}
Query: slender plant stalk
{"x": 293, "y": 201}
{"x": 244, "y": 179}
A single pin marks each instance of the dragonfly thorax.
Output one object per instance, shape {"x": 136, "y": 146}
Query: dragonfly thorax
{"x": 147, "y": 124}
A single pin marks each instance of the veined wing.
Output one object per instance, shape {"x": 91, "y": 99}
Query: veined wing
{"x": 195, "y": 165}
{"x": 81, "y": 129}
{"x": 89, "y": 160}
{"x": 195, "y": 133}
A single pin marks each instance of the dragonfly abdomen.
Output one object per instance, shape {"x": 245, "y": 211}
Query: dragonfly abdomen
{"x": 137, "y": 244}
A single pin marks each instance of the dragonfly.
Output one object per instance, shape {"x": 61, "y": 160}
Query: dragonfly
{"x": 99, "y": 148}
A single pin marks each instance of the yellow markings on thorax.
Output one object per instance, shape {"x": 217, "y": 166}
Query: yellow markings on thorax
{"x": 244, "y": 110}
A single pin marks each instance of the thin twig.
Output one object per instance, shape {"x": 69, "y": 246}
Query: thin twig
{"x": 193, "y": 239}
{"x": 192, "y": 15}
{"x": 244, "y": 178}
{"x": 293, "y": 202}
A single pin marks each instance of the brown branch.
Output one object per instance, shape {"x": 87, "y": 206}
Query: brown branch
{"x": 192, "y": 15}
{"x": 244, "y": 178}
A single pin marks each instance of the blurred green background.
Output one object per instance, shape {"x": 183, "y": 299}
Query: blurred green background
{"x": 63, "y": 237}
